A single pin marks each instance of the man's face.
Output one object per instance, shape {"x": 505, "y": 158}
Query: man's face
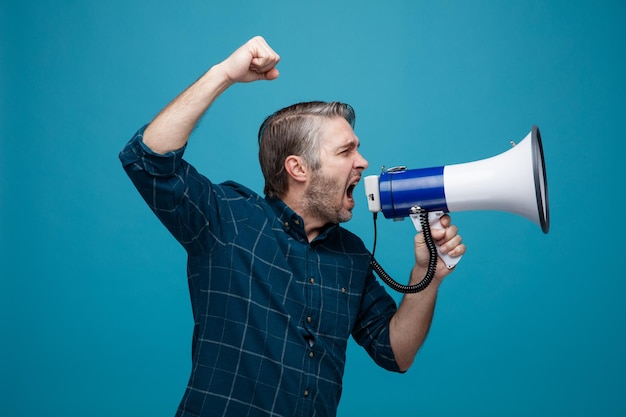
{"x": 329, "y": 192}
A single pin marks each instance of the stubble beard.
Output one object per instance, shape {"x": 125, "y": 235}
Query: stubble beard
{"x": 320, "y": 200}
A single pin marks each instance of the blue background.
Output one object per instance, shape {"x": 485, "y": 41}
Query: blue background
{"x": 95, "y": 316}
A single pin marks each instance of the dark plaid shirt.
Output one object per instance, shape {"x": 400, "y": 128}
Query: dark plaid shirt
{"x": 272, "y": 311}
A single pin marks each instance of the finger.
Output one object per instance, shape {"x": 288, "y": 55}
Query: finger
{"x": 453, "y": 247}
{"x": 265, "y": 67}
{"x": 264, "y": 64}
{"x": 449, "y": 232}
{"x": 438, "y": 234}
{"x": 419, "y": 240}
{"x": 445, "y": 220}
{"x": 458, "y": 251}
{"x": 448, "y": 239}
{"x": 272, "y": 74}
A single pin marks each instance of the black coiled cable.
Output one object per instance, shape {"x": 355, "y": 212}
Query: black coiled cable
{"x": 432, "y": 262}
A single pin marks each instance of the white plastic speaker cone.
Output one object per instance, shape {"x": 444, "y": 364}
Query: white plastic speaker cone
{"x": 514, "y": 181}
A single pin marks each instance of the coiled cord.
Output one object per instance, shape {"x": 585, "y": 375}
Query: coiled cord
{"x": 432, "y": 262}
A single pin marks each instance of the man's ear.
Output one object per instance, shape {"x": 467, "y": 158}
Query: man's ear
{"x": 296, "y": 168}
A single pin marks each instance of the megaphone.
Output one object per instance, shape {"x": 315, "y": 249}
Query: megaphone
{"x": 514, "y": 181}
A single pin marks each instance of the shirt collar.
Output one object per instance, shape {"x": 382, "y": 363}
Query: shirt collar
{"x": 292, "y": 223}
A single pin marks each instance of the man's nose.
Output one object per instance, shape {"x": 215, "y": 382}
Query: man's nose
{"x": 361, "y": 163}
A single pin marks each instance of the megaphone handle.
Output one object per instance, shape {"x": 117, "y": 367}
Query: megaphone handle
{"x": 433, "y": 220}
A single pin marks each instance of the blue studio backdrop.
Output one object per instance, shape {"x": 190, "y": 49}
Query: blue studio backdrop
{"x": 94, "y": 311}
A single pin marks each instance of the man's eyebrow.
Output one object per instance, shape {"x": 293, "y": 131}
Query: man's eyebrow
{"x": 350, "y": 143}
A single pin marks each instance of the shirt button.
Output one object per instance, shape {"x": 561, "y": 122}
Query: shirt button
{"x": 297, "y": 221}
{"x": 306, "y": 392}
{"x": 311, "y": 354}
{"x": 309, "y": 319}
{"x": 343, "y": 290}
{"x": 312, "y": 280}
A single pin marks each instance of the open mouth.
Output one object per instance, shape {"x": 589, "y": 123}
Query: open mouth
{"x": 350, "y": 190}
{"x": 351, "y": 187}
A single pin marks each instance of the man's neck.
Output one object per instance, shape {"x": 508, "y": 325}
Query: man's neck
{"x": 312, "y": 225}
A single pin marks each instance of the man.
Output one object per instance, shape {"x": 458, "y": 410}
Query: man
{"x": 277, "y": 286}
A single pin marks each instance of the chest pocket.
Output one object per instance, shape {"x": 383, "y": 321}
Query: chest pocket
{"x": 339, "y": 284}
{"x": 339, "y": 306}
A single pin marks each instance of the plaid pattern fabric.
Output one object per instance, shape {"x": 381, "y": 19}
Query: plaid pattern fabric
{"x": 272, "y": 312}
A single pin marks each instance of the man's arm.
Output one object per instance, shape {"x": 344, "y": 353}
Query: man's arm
{"x": 170, "y": 130}
{"x": 410, "y": 324}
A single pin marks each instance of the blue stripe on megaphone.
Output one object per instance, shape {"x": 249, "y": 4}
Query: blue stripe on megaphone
{"x": 402, "y": 190}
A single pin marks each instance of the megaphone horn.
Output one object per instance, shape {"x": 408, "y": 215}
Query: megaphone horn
{"x": 514, "y": 181}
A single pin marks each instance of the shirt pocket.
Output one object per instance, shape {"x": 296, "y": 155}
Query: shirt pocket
{"x": 339, "y": 308}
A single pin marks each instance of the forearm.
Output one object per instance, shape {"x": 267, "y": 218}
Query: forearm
{"x": 410, "y": 324}
{"x": 171, "y": 128}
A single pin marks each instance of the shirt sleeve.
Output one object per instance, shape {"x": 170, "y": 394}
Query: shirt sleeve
{"x": 372, "y": 327}
{"x": 180, "y": 197}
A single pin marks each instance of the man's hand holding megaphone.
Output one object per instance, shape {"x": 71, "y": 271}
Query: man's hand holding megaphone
{"x": 449, "y": 243}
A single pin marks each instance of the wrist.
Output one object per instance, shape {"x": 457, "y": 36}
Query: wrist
{"x": 418, "y": 273}
{"x": 217, "y": 79}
